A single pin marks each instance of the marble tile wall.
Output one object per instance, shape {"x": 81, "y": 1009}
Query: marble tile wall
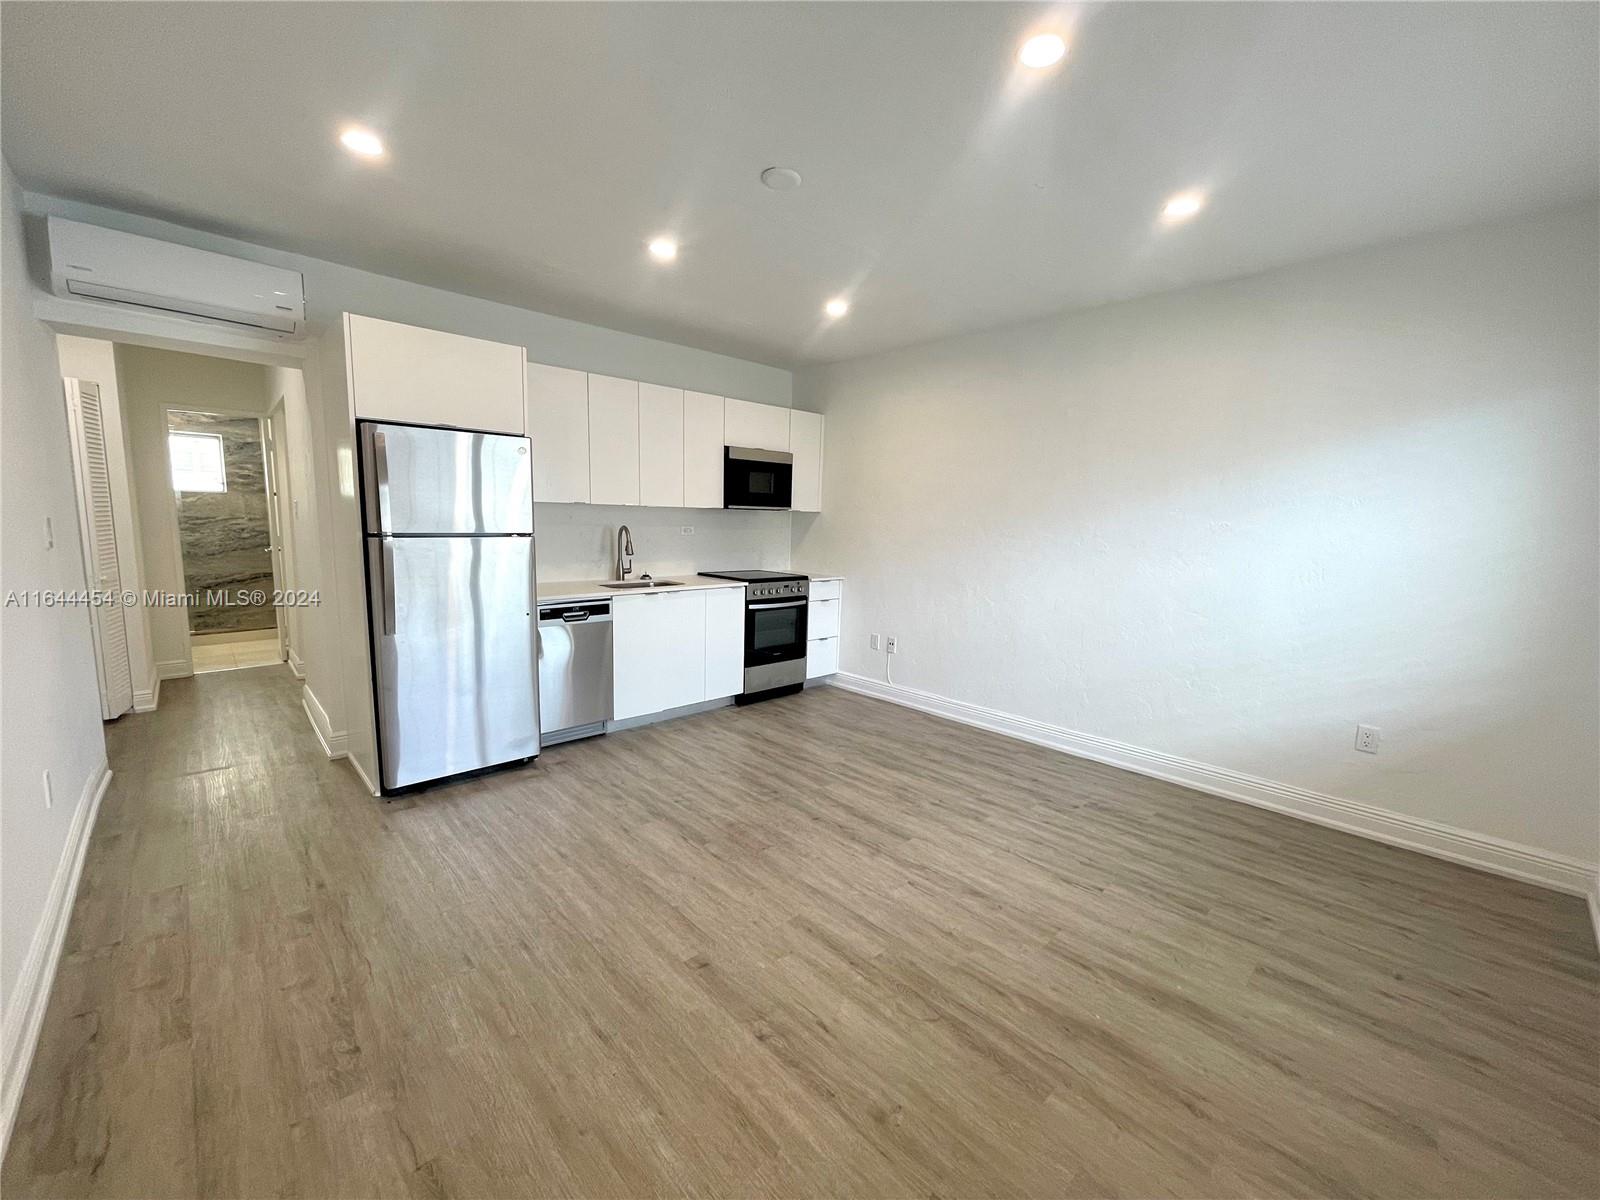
{"x": 224, "y": 535}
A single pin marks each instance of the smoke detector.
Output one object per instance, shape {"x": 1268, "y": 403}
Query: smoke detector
{"x": 781, "y": 179}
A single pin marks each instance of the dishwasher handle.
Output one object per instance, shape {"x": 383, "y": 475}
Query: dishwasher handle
{"x": 576, "y": 614}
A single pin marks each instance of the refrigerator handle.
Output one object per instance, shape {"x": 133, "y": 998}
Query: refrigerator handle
{"x": 380, "y": 466}
{"x": 388, "y": 587}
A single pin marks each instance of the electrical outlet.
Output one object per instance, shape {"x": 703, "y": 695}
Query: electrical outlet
{"x": 49, "y": 797}
{"x": 874, "y": 641}
{"x": 686, "y": 529}
{"x": 1367, "y": 739}
{"x": 890, "y": 644}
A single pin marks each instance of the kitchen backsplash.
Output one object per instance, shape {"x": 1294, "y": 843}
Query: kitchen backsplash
{"x": 578, "y": 541}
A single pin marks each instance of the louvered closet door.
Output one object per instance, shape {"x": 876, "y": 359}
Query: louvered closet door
{"x": 100, "y": 547}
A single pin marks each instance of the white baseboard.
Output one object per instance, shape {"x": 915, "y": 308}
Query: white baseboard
{"x": 1413, "y": 833}
{"x": 149, "y": 699}
{"x": 174, "y": 668}
{"x": 355, "y": 762}
{"x": 295, "y": 665}
{"x": 25, "y": 1015}
{"x": 333, "y": 741}
{"x": 1594, "y": 909}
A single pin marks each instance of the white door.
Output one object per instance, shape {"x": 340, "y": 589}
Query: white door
{"x": 271, "y": 428}
{"x": 761, "y": 426}
{"x": 98, "y": 532}
{"x": 658, "y": 652}
{"x": 613, "y": 440}
{"x": 724, "y": 643}
{"x": 429, "y": 377}
{"x": 558, "y": 423}
{"x": 702, "y": 450}
{"x": 805, "y": 443}
{"x": 660, "y": 445}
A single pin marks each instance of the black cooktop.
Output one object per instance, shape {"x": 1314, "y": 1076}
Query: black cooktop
{"x": 754, "y": 576}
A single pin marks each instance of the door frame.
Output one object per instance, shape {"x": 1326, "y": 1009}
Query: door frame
{"x": 176, "y": 533}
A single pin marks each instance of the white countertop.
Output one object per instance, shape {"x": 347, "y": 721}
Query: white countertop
{"x": 593, "y": 589}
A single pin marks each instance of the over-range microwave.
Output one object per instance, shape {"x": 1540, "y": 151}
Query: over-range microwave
{"x": 757, "y": 478}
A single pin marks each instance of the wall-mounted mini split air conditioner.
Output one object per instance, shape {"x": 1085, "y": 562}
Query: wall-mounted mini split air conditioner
{"x": 104, "y": 264}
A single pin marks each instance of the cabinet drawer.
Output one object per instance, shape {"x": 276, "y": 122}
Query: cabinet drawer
{"x": 822, "y": 618}
{"x": 829, "y": 589}
{"x": 822, "y": 657}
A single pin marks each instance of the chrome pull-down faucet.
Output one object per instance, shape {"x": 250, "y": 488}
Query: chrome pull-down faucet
{"x": 624, "y": 552}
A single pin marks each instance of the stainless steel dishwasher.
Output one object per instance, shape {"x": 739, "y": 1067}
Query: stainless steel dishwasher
{"x": 574, "y": 670}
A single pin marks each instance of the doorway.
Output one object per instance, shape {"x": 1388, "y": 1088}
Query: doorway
{"x": 227, "y": 534}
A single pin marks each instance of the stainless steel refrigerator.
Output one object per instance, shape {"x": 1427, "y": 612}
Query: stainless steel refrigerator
{"x": 447, "y": 518}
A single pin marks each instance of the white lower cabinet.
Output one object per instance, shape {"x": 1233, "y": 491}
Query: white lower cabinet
{"x": 658, "y": 652}
{"x": 822, "y": 657}
{"x": 670, "y": 649}
{"x": 724, "y": 643}
{"x": 822, "y": 628}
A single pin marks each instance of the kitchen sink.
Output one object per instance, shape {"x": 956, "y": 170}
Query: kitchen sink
{"x": 634, "y": 584}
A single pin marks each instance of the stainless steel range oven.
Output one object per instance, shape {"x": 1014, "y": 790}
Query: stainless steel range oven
{"x": 774, "y": 632}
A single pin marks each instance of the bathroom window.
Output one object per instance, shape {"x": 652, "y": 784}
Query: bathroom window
{"x": 197, "y": 462}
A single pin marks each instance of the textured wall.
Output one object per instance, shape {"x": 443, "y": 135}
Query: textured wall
{"x": 225, "y": 535}
{"x": 1230, "y": 523}
{"x": 49, "y": 689}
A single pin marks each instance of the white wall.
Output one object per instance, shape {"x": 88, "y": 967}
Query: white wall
{"x": 332, "y": 289}
{"x": 1231, "y": 522}
{"x": 151, "y": 379}
{"x": 95, "y": 360}
{"x": 49, "y": 695}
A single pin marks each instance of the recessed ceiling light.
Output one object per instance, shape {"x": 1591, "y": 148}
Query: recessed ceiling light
{"x": 1183, "y": 206}
{"x": 663, "y": 249}
{"x": 1042, "y": 50}
{"x": 362, "y": 142}
{"x": 781, "y": 179}
{"x": 837, "y": 307}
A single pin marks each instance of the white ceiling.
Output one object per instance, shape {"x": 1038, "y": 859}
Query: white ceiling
{"x": 536, "y": 147}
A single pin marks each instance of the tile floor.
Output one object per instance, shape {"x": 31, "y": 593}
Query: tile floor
{"x": 230, "y": 651}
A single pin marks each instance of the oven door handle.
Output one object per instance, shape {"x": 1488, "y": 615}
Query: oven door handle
{"x": 779, "y": 604}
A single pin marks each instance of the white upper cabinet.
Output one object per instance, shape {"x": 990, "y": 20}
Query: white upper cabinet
{"x": 702, "y": 450}
{"x": 761, "y": 426}
{"x": 805, "y": 443}
{"x": 724, "y": 643}
{"x": 558, "y": 423}
{"x": 613, "y": 440}
{"x": 660, "y": 445}
{"x": 426, "y": 377}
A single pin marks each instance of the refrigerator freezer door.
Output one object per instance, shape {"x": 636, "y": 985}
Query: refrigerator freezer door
{"x": 455, "y": 630}
{"x": 433, "y": 481}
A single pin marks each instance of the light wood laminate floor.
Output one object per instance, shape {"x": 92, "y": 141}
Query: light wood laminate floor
{"x": 823, "y": 946}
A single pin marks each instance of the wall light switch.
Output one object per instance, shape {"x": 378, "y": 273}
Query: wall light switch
{"x": 874, "y": 641}
{"x": 49, "y": 795}
{"x": 49, "y": 534}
